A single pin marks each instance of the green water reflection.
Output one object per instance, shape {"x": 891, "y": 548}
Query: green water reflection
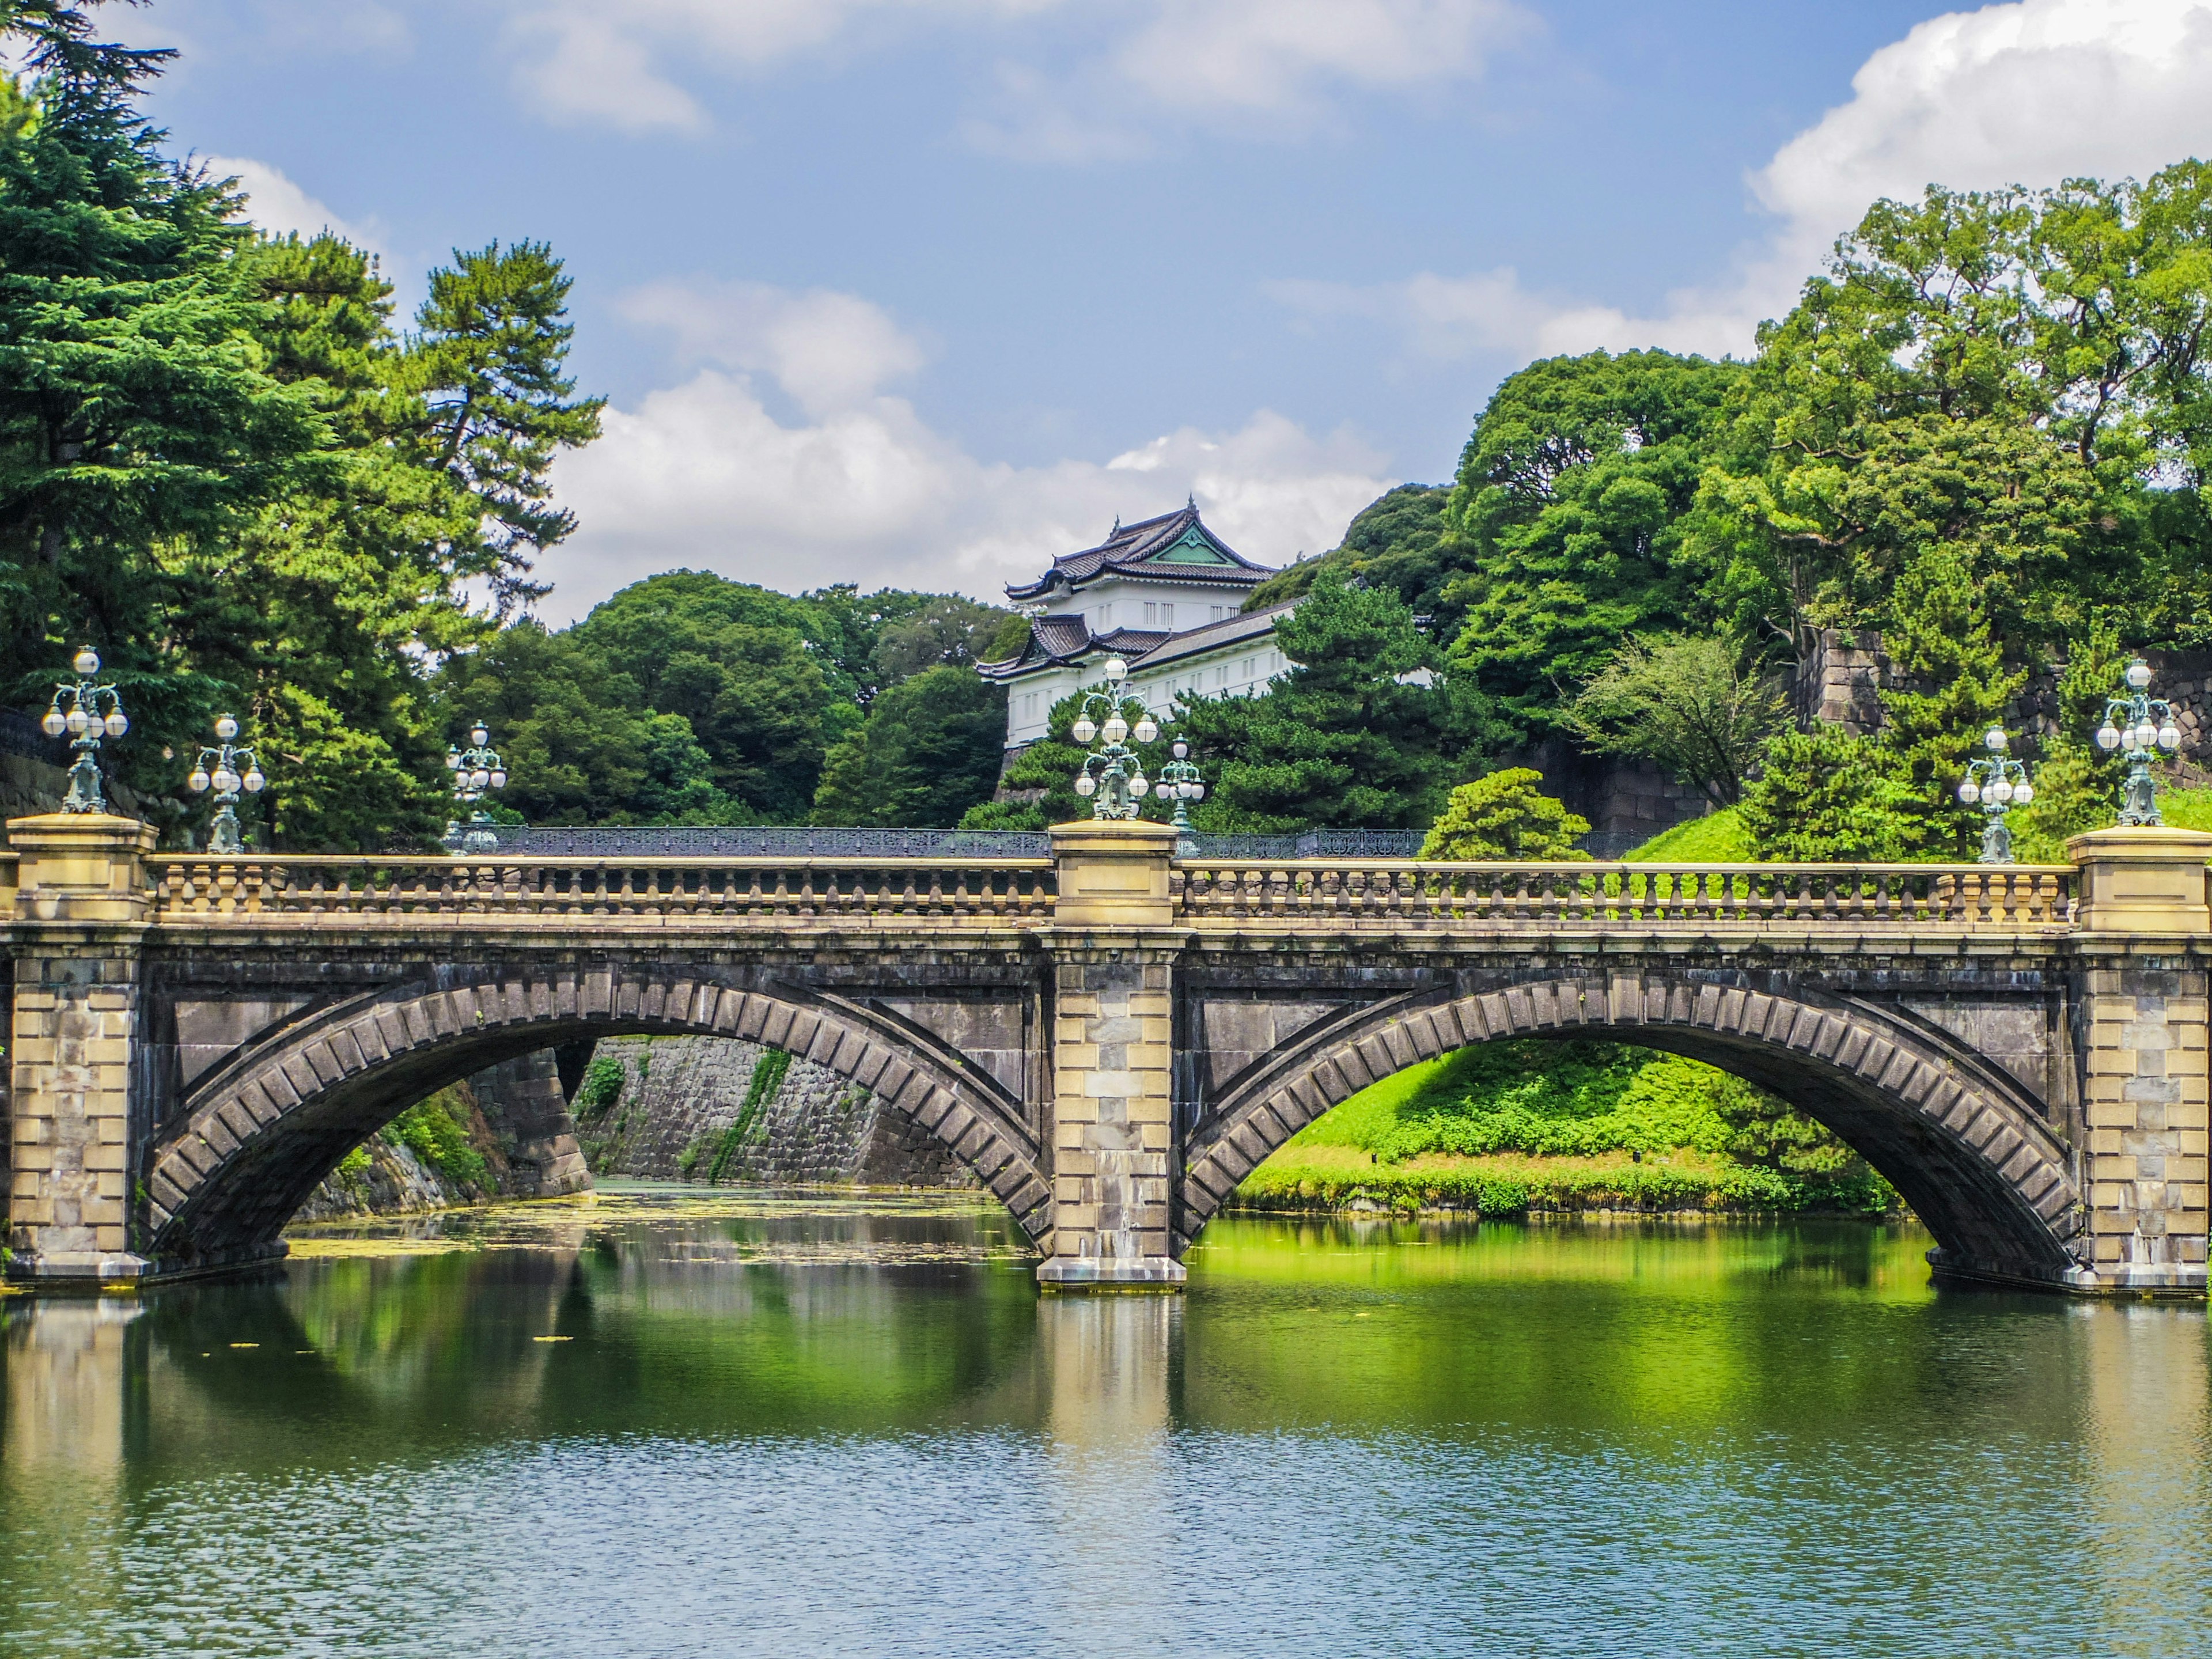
{"x": 676, "y": 1424}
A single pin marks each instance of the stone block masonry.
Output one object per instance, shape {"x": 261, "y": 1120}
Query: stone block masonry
{"x": 681, "y": 1098}
{"x": 1113, "y": 1121}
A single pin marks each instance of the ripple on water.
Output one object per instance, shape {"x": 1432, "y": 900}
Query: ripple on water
{"x": 765, "y": 1437}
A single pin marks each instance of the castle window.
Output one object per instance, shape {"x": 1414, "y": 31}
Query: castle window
{"x": 1152, "y": 613}
{"x": 1167, "y": 616}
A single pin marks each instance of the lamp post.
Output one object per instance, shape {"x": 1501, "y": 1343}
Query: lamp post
{"x": 2148, "y": 729}
{"x": 475, "y": 770}
{"x": 1998, "y": 782}
{"x": 1114, "y": 775}
{"x": 75, "y": 712}
{"x": 228, "y": 777}
{"x": 1179, "y": 779}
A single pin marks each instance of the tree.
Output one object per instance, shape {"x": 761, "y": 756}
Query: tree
{"x": 1571, "y": 503}
{"x": 1358, "y": 733}
{"x": 946, "y": 629}
{"x": 1826, "y": 797}
{"x": 929, "y": 752}
{"x": 1685, "y": 705}
{"x": 735, "y": 661}
{"x": 1401, "y": 540}
{"x": 487, "y": 365}
{"x": 1940, "y": 640}
{"x": 2015, "y": 373}
{"x": 1505, "y": 815}
{"x": 580, "y": 744}
{"x": 138, "y": 419}
{"x": 2077, "y": 786}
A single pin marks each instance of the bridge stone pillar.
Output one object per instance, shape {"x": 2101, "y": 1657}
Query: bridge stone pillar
{"x": 80, "y": 904}
{"x": 1113, "y": 1137}
{"x": 2144, "y": 935}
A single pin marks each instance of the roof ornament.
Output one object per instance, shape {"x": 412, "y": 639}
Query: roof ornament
{"x": 1116, "y": 530}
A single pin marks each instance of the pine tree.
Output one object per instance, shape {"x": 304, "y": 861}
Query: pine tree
{"x": 1940, "y": 639}
{"x": 139, "y": 421}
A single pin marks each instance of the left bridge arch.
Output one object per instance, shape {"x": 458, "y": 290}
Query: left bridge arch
{"x": 258, "y": 1133}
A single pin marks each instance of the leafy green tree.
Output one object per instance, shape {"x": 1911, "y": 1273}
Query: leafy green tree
{"x": 1826, "y": 797}
{"x": 2014, "y": 373}
{"x": 946, "y": 630}
{"x": 1504, "y": 815}
{"x": 869, "y": 641}
{"x": 1687, "y": 706}
{"x": 1401, "y": 540}
{"x": 1355, "y": 735}
{"x": 930, "y": 751}
{"x": 1571, "y": 503}
{"x": 735, "y": 661}
{"x": 580, "y": 744}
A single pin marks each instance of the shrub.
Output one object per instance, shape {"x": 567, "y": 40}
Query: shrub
{"x": 437, "y": 1131}
{"x": 1826, "y": 797}
{"x": 1503, "y": 816}
{"x": 602, "y": 1086}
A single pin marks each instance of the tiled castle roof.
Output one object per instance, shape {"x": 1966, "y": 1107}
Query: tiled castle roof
{"x": 1176, "y": 545}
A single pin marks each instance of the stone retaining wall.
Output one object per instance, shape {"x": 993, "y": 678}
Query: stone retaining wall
{"x": 681, "y": 1096}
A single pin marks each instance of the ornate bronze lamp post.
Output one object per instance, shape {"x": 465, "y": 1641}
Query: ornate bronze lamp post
{"x": 476, "y": 770}
{"x": 1179, "y": 779}
{"x": 1998, "y": 782}
{"x": 234, "y": 768}
{"x": 86, "y": 711}
{"x": 2148, "y": 734}
{"x": 1114, "y": 775}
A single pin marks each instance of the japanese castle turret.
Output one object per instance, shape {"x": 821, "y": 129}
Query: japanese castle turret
{"x": 1165, "y": 597}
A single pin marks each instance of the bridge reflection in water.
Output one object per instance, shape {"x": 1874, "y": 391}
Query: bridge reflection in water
{"x": 774, "y": 1430}
{"x": 1113, "y": 1037}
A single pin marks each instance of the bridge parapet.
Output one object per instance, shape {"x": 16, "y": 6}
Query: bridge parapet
{"x": 711, "y": 889}
{"x": 1411, "y": 894}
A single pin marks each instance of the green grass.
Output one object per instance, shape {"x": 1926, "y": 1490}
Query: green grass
{"x": 2186, "y": 809}
{"x": 1508, "y": 1127}
{"x": 1717, "y": 838}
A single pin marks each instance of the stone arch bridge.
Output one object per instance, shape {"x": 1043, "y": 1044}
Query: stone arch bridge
{"x": 1113, "y": 1036}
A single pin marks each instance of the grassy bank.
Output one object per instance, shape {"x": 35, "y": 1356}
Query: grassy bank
{"x": 1509, "y": 1128}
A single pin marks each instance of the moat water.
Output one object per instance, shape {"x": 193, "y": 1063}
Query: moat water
{"x": 732, "y": 1423}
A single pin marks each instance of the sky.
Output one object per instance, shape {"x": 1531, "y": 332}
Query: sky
{"x": 920, "y": 293}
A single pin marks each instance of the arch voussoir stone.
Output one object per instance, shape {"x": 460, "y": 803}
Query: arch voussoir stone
{"x": 262, "y": 1129}
{"x": 1957, "y": 1136}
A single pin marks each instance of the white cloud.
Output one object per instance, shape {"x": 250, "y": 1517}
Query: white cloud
{"x": 607, "y": 60}
{"x": 1127, "y": 65}
{"x": 701, "y": 475}
{"x": 828, "y": 351}
{"x": 2031, "y": 94}
{"x": 277, "y": 204}
{"x": 860, "y": 487}
{"x": 1274, "y": 54}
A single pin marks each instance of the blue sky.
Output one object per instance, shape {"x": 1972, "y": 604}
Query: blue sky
{"x": 922, "y": 291}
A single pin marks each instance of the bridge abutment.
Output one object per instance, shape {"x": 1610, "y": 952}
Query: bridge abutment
{"x": 1113, "y": 1135}
{"x": 79, "y": 928}
{"x": 2144, "y": 930}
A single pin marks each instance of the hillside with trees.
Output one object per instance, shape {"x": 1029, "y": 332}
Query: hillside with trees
{"x": 1981, "y": 435}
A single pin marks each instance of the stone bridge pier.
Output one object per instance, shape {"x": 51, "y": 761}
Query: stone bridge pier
{"x": 1112, "y": 1037}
